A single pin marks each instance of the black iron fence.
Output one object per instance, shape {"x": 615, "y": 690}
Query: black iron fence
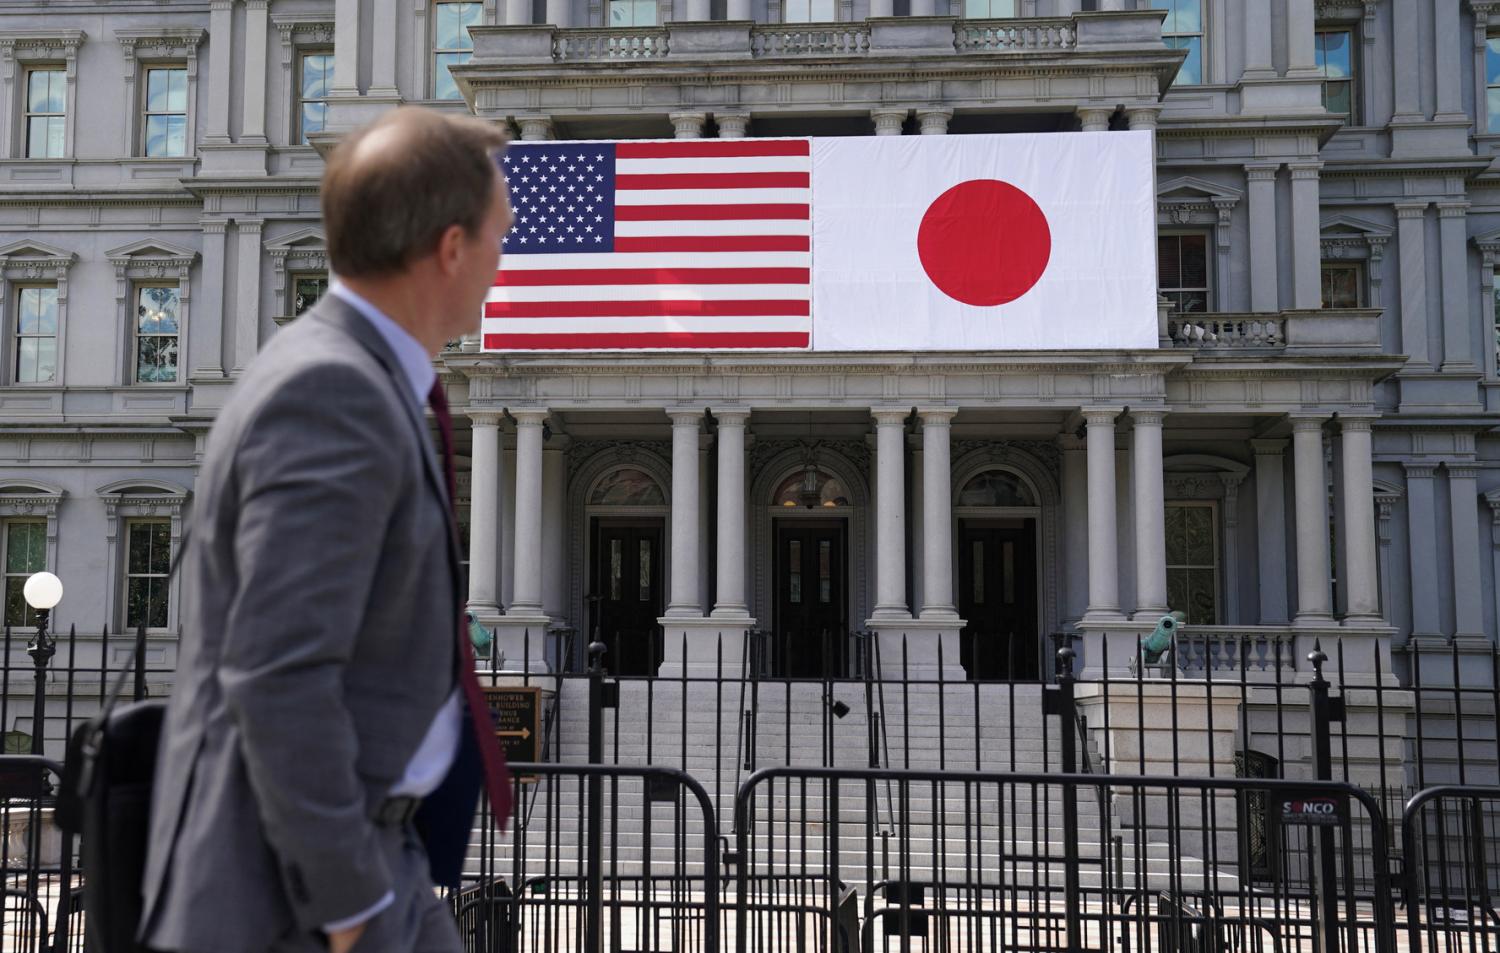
{"x": 1232, "y": 796}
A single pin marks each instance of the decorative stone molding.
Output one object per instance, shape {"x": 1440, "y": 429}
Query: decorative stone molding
{"x": 688, "y": 125}
{"x": 151, "y": 260}
{"x": 27, "y": 261}
{"x": 32, "y": 499}
{"x": 933, "y": 120}
{"x": 1346, "y": 238}
{"x": 138, "y": 499}
{"x": 19, "y": 49}
{"x": 305, "y": 250}
{"x": 1347, "y": 10}
{"x": 1187, "y": 201}
{"x": 295, "y": 31}
{"x": 146, "y": 47}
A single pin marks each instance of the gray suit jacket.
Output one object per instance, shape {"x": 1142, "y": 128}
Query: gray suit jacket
{"x": 319, "y": 641}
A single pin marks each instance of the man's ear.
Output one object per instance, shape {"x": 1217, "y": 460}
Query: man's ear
{"x": 450, "y": 249}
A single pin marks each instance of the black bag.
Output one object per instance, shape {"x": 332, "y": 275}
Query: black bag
{"x": 106, "y": 801}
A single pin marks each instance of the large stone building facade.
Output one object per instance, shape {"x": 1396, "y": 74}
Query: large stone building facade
{"x": 1307, "y": 455}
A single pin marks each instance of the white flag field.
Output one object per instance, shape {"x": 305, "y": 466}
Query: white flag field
{"x": 882, "y": 243}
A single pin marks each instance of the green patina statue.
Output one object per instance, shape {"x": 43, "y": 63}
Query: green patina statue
{"x": 479, "y": 635}
{"x": 1155, "y": 645}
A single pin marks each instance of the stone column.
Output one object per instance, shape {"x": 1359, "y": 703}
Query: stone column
{"x": 890, "y": 515}
{"x": 1094, "y": 118}
{"x": 923, "y": 8}
{"x": 1142, "y": 117}
{"x": 688, "y": 125}
{"x": 208, "y": 334}
{"x": 554, "y": 554}
{"x": 1299, "y": 24}
{"x": 526, "y": 571}
{"x": 937, "y": 514}
{"x": 933, "y": 122}
{"x": 1265, "y": 292}
{"x": 1463, "y": 511}
{"x": 1360, "y": 555}
{"x": 733, "y": 125}
{"x": 1307, "y": 251}
{"x": 1104, "y": 572}
{"x": 1313, "y": 600}
{"x": 1075, "y": 494}
{"x": 383, "y": 50}
{"x": 1111, "y": 5}
{"x": 882, "y": 8}
{"x": 1406, "y": 22}
{"x": 1422, "y": 554}
{"x": 888, "y": 122}
{"x": 1449, "y": 55}
{"x": 484, "y": 513}
{"x": 1458, "y": 352}
{"x": 683, "y": 597}
{"x": 247, "y": 292}
{"x": 535, "y": 128}
{"x": 1411, "y": 244}
{"x": 1270, "y": 520}
{"x": 1150, "y": 517}
{"x": 517, "y": 12}
{"x": 737, "y": 10}
{"x": 729, "y": 602}
{"x": 345, "y": 48}
{"x": 257, "y": 36}
{"x": 220, "y": 78}
{"x": 1258, "y": 61}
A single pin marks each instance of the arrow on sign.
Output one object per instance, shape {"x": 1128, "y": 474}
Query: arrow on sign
{"x": 523, "y": 734}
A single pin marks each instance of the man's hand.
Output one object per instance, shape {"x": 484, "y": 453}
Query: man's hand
{"x": 343, "y": 941}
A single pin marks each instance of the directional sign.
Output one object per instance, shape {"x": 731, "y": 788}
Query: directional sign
{"x": 517, "y": 715}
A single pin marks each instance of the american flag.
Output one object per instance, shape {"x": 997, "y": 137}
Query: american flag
{"x": 671, "y": 244}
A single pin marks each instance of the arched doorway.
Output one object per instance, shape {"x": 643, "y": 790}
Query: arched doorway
{"x": 999, "y": 594}
{"x": 626, "y": 510}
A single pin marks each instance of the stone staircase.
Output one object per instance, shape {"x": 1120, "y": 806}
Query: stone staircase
{"x": 802, "y": 827}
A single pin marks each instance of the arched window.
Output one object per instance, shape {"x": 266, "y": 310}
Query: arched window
{"x": 811, "y": 487}
{"x": 996, "y": 488}
{"x": 628, "y": 486}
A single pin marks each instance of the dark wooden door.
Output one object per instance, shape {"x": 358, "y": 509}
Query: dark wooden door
{"x": 997, "y": 598}
{"x": 810, "y": 599}
{"x": 626, "y": 584}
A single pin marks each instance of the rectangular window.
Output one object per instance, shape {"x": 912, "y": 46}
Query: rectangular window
{"x": 1183, "y": 30}
{"x": 628, "y": 13}
{"x": 808, "y": 11}
{"x": 794, "y": 566}
{"x": 1343, "y": 285}
{"x": 25, "y": 543}
{"x": 36, "y": 335}
{"x": 616, "y": 568}
{"x": 46, "y": 113}
{"x": 166, "y": 125}
{"x": 314, "y": 78}
{"x": 308, "y": 289}
{"x": 148, "y": 560}
{"x": 1492, "y": 82}
{"x": 989, "y": 9}
{"x": 453, "y": 45}
{"x": 156, "y": 330}
{"x": 1182, "y": 271}
{"x": 643, "y": 552}
{"x": 1335, "y": 58}
{"x": 1193, "y": 561}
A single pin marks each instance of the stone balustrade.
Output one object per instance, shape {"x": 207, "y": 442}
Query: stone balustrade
{"x": 609, "y": 44}
{"x": 810, "y": 39}
{"x": 999, "y": 36}
{"x": 1328, "y": 329}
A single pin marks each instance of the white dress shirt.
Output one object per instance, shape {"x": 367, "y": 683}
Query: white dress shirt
{"x": 434, "y": 756}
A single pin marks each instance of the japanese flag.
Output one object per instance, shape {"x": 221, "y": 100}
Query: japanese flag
{"x": 984, "y": 242}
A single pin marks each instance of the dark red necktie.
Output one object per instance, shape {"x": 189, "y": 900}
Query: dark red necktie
{"x": 496, "y": 775}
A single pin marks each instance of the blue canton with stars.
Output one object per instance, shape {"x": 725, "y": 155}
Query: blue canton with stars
{"x": 563, "y": 196}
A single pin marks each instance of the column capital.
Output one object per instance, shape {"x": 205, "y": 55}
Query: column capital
{"x": 732, "y": 125}
{"x": 484, "y": 418}
{"x": 936, "y": 416}
{"x": 887, "y": 417}
{"x": 1410, "y": 209}
{"x": 528, "y": 416}
{"x": 1452, "y": 209}
{"x": 933, "y": 120}
{"x": 688, "y": 125}
{"x": 1142, "y": 117}
{"x": 1305, "y": 170}
{"x": 1302, "y": 423}
{"x": 1348, "y": 424}
{"x": 1262, "y": 171}
{"x": 1419, "y": 469}
{"x": 731, "y": 416}
{"x": 1098, "y": 416}
{"x": 214, "y": 226}
{"x": 1095, "y": 118}
{"x": 249, "y": 226}
{"x": 888, "y": 120}
{"x": 535, "y": 128}
{"x": 686, "y": 418}
{"x": 1266, "y": 447}
{"x": 1461, "y": 469}
{"x": 1151, "y": 417}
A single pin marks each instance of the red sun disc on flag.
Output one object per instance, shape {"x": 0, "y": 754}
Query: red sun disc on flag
{"x": 984, "y": 242}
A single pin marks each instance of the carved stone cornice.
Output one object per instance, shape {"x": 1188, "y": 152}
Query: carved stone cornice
{"x": 997, "y": 451}
{"x": 579, "y": 452}
{"x": 161, "y": 43}
{"x": 856, "y": 452}
{"x": 31, "y": 45}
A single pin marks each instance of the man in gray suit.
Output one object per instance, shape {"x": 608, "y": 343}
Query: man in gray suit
{"x": 325, "y": 690}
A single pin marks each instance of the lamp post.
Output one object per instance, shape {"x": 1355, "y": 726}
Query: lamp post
{"x": 42, "y": 591}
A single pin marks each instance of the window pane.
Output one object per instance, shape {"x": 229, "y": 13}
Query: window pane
{"x": 445, "y": 87}
{"x": 177, "y": 102}
{"x": 1198, "y": 527}
{"x": 158, "y": 90}
{"x": 307, "y": 291}
{"x": 161, "y": 547}
{"x": 46, "y": 91}
{"x": 645, "y": 12}
{"x": 44, "y": 137}
{"x": 138, "y": 549}
{"x": 453, "y": 20}
{"x": 25, "y": 547}
{"x": 137, "y": 594}
{"x": 1194, "y": 261}
{"x": 616, "y": 568}
{"x": 1340, "y": 286}
{"x": 44, "y": 357}
{"x": 1333, "y": 54}
{"x": 316, "y": 73}
{"x": 1168, "y": 262}
{"x": 38, "y": 311}
{"x": 1492, "y": 61}
{"x": 156, "y": 312}
{"x": 1202, "y": 597}
{"x": 1191, "y": 73}
{"x": 17, "y": 612}
{"x": 644, "y": 570}
{"x": 26, "y": 360}
{"x": 156, "y": 135}
{"x": 312, "y": 118}
{"x": 1176, "y": 543}
{"x": 1492, "y": 98}
{"x": 1338, "y": 98}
